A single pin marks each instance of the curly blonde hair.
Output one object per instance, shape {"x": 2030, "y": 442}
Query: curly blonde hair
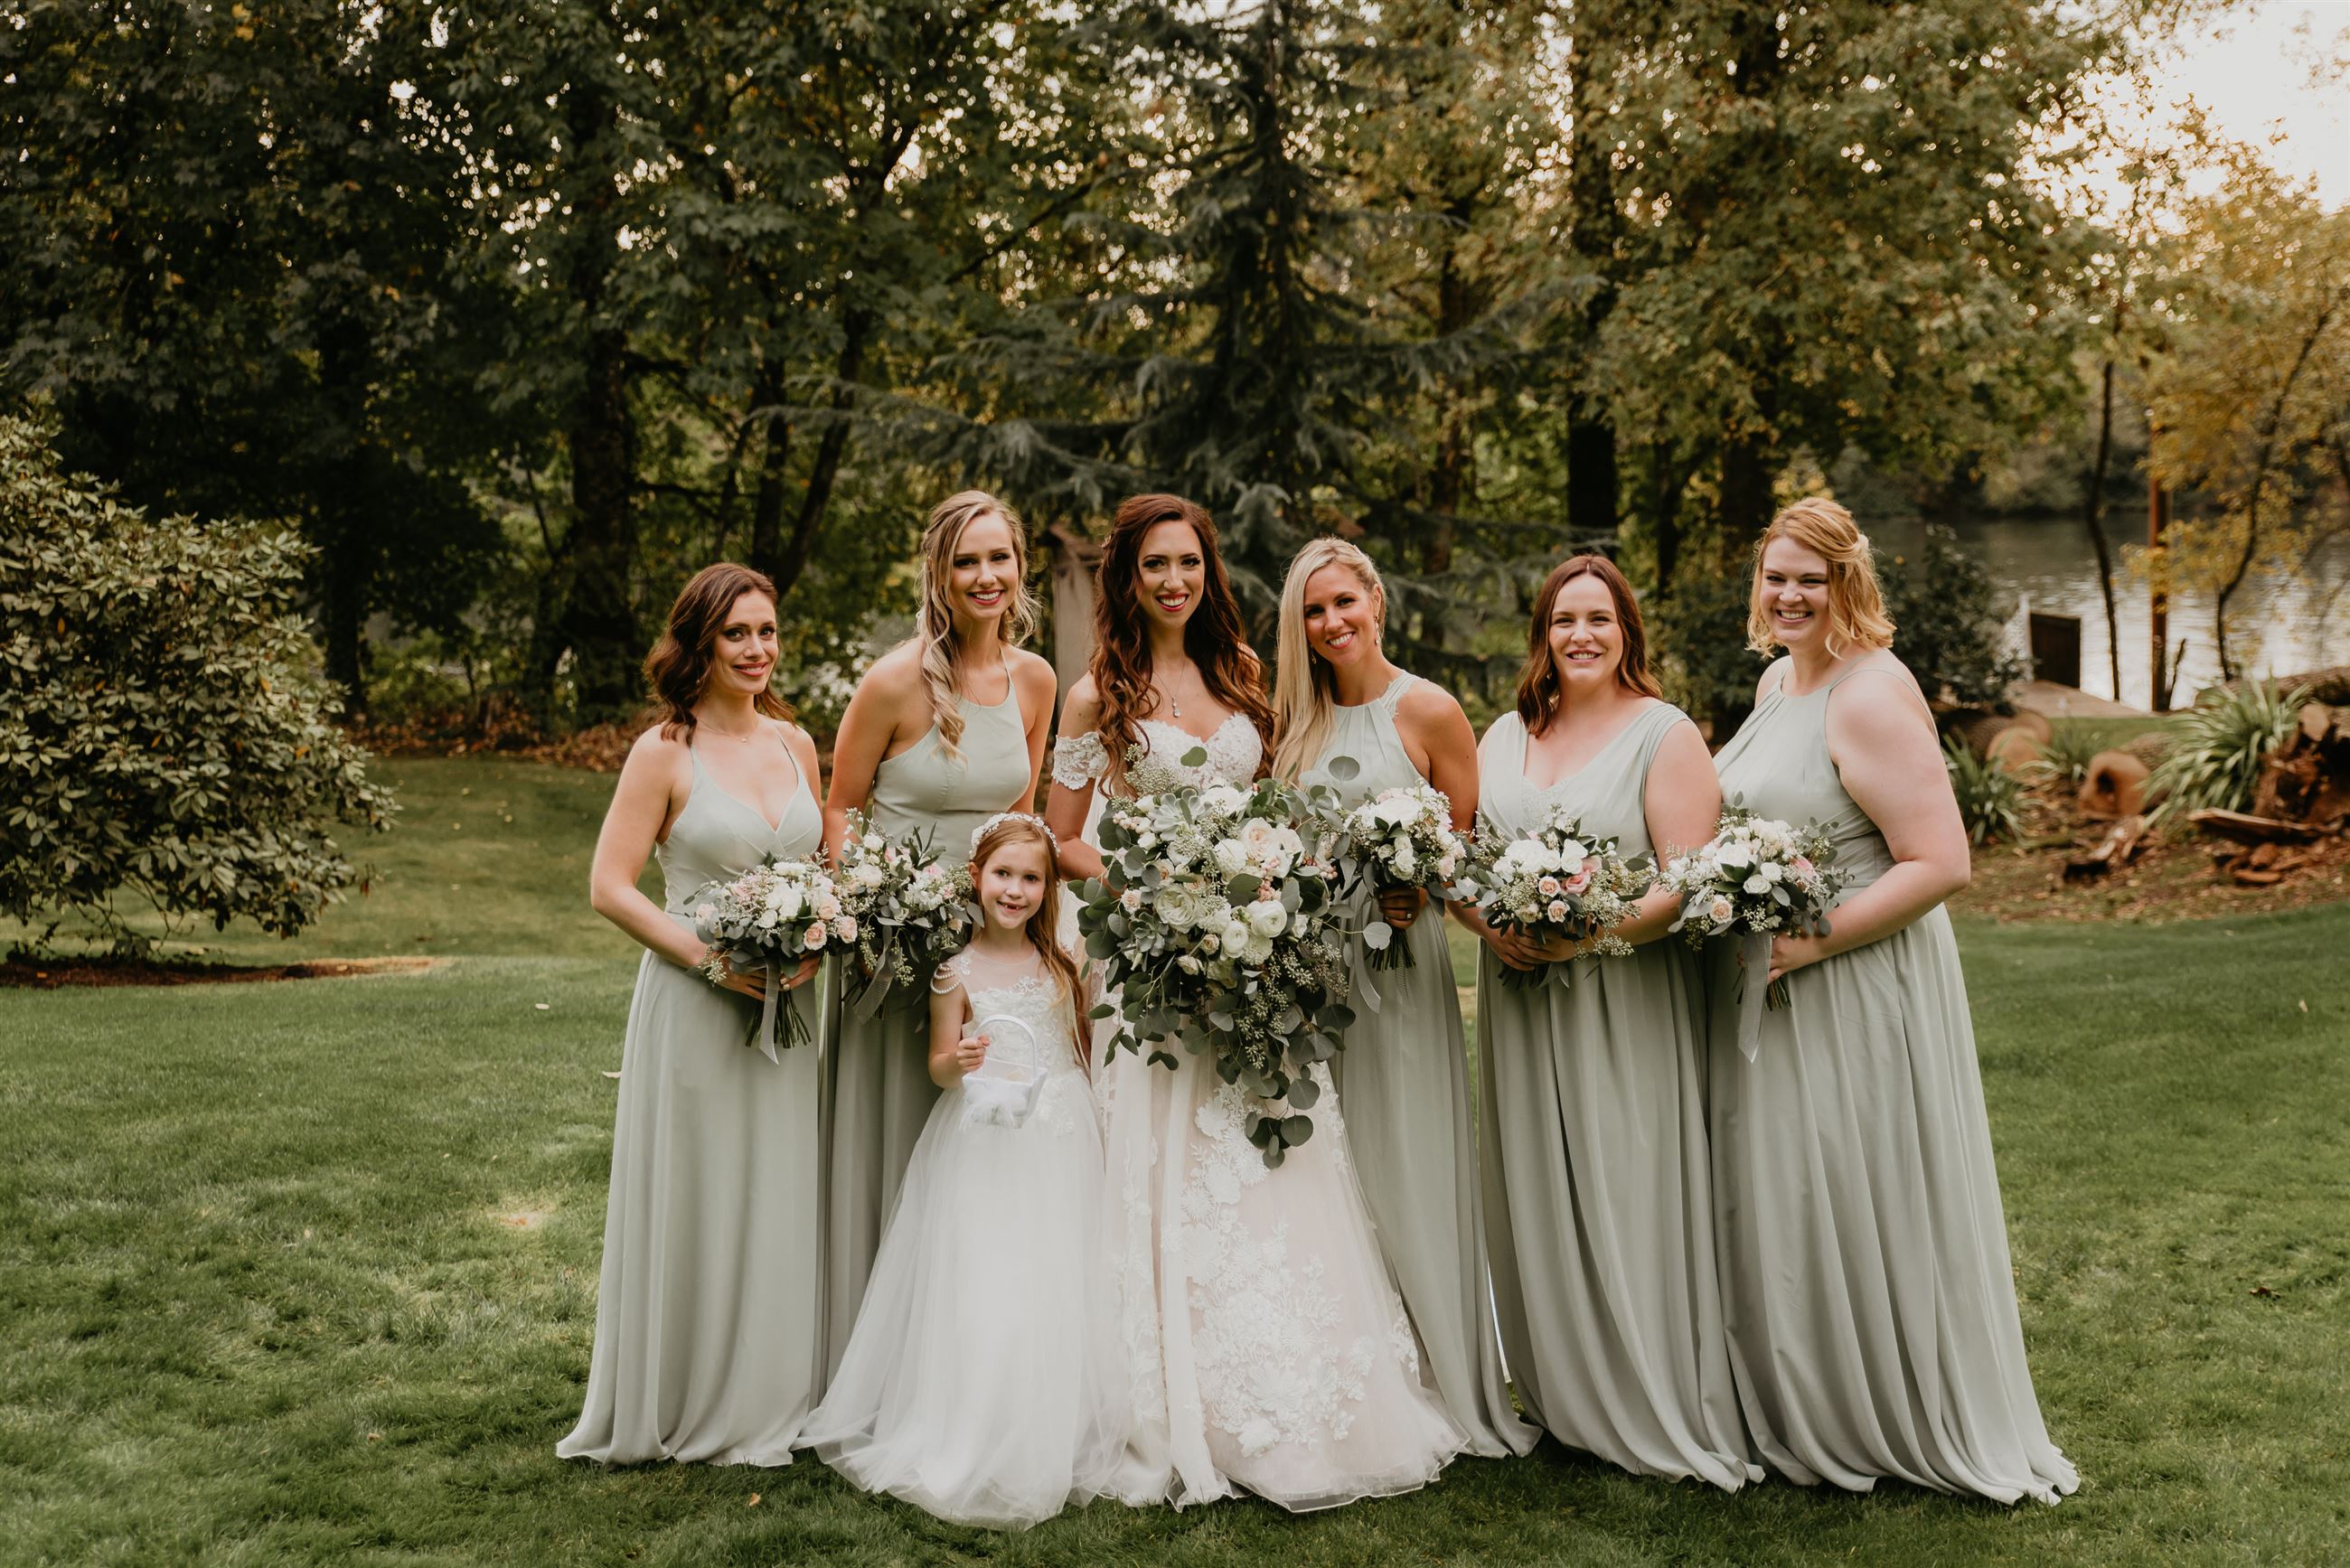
{"x": 1857, "y": 616}
{"x": 942, "y": 651}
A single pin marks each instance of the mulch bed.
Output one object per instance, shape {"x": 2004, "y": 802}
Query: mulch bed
{"x": 2173, "y": 878}
{"x": 38, "y": 974}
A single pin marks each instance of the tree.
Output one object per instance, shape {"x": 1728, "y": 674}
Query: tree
{"x": 229, "y": 277}
{"x": 159, "y": 721}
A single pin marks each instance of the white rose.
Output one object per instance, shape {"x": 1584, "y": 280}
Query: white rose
{"x": 847, "y": 926}
{"x": 1236, "y": 935}
{"x": 1131, "y": 899}
{"x": 1406, "y": 862}
{"x": 1758, "y": 883}
{"x": 874, "y": 841}
{"x": 1720, "y": 910}
{"x": 1267, "y": 918}
{"x": 1210, "y": 943}
{"x": 1399, "y": 811}
{"x": 1231, "y": 856}
{"x": 1187, "y": 963}
{"x": 1735, "y": 856}
{"x": 869, "y": 876}
{"x": 766, "y": 920}
{"x": 1571, "y": 857}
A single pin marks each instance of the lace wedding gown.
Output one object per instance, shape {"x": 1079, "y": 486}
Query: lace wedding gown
{"x": 1266, "y": 1345}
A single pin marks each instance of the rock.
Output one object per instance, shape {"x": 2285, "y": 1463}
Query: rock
{"x": 2115, "y": 785}
{"x": 2034, "y": 724}
{"x": 2149, "y": 747}
{"x": 2014, "y": 749}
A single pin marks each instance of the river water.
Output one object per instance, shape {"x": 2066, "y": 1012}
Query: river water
{"x": 2277, "y": 624}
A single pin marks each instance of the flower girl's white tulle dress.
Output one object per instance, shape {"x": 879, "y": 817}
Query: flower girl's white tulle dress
{"x": 985, "y": 1382}
{"x": 1267, "y": 1345}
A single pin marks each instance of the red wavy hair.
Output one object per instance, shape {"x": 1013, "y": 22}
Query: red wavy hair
{"x": 1213, "y": 637}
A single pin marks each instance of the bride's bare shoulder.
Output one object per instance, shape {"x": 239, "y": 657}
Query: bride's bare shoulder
{"x": 1081, "y": 709}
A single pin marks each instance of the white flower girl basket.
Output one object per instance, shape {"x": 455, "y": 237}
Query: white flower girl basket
{"x": 1001, "y": 1092}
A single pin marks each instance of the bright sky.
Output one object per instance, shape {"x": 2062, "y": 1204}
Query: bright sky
{"x": 2255, "y": 73}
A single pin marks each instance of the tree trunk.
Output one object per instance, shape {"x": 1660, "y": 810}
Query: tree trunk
{"x": 1665, "y": 511}
{"x": 2273, "y": 418}
{"x": 598, "y": 624}
{"x": 766, "y": 551}
{"x": 2094, "y": 517}
{"x": 856, "y": 327}
{"x": 1591, "y": 479}
{"x": 1745, "y": 493}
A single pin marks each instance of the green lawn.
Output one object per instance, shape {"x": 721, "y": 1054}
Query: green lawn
{"x": 305, "y": 1272}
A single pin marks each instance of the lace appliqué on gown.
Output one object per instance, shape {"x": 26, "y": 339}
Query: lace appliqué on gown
{"x": 1079, "y": 760}
{"x": 1271, "y": 1366}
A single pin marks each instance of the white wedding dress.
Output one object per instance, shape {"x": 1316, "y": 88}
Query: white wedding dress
{"x": 1265, "y": 1341}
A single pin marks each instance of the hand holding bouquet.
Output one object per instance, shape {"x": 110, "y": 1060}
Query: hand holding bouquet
{"x": 1557, "y": 882}
{"x": 1216, "y": 919}
{"x": 1403, "y": 839}
{"x": 1756, "y": 878}
{"x": 911, "y": 909}
{"x": 771, "y": 917}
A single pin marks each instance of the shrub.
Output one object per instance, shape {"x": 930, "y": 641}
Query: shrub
{"x": 1991, "y": 799}
{"x": 160, "y": 727}
{"x": 1944, "y": 626}
{"x": 1698, "y": 632}
{"x": 2217, "y": 747}
{"x": 2065, "y": 755}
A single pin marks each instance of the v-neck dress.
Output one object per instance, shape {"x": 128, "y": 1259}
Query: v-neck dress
{"x": 1403, "y": 1080}
{"x": 880, "y": 1092}
{"x": 1598, "y": 1192}
{"x": 708, "y": 1309}
{"x": 1871, "y": 1299}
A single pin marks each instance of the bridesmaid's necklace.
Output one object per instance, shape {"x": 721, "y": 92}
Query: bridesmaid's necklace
{"x": 729, "y": 734}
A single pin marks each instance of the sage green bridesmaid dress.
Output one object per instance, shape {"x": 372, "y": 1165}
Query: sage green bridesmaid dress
{"x": 708, "y": 1310}
{"x": 1598, "y": 1200}
{"x": 881, "y": 1094}
{"x": 1403, "y": 1085}
{"x": 1872, "y": 1317}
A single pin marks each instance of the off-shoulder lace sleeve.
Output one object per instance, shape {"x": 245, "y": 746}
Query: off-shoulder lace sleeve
{"x": 1079, "y": 760}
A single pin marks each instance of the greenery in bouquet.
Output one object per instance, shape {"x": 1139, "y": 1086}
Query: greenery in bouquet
{"x": 768, "y": 918}
{"x": 1401, "y": 838}
{"x": 1216, "y": 920}
{"x": 1555, "y": 881}
{"x": 1756, "y": 877}
{"x": 911, "y": 908}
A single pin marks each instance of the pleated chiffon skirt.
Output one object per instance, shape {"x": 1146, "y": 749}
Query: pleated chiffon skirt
{"x": 1869, "y": 1298}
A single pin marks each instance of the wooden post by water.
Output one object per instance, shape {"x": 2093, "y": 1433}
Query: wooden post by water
{"x": 2158, "y": 572}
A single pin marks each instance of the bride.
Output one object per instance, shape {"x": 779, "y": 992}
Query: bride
{"x": 1266, "y": 1344}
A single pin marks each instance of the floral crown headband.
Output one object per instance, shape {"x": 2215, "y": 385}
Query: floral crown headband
{"x": 1000, "y": 817}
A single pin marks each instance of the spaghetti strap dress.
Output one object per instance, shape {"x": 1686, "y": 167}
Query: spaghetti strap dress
{"x": 1598, "y": 1194}
{"x": 1403, "y": 1080}
{"x": 1871, "y": 1310}
{"x": 708, "y": 1310}
{"x": 880, "y": 1093}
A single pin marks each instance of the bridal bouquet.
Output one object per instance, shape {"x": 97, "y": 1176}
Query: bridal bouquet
{"x": 911, "y": 910}
{"x": 1555, "y": 881}
{"x": 770, "y": 917}
{"x": 1756, "y": 877}
{"x": 1402, "y": 838}
{"x": 1216, "y": 917}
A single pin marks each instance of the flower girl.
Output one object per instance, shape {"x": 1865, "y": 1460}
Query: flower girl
{"x": 983, "y": 1382}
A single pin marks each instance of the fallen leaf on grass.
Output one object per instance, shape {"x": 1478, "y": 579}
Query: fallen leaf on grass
{"x": 541, "y": 1006}
{"x": 611, "y": 1074}
{"x": 754, "y": 1500}
{"x": 2260, "y": 1291}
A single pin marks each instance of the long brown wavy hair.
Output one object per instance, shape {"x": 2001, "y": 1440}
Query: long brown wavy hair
{"x": 1213, "y": 637}
{"x": 678, "y": 669}
{"x": 1538, "y": 691}
{"x": 1043, "y": 926}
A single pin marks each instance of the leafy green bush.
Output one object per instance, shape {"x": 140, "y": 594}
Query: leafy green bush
{"x": 160, "y": 727}
{"x": 1991, "y": 799}
{"x": 2064, "y": 757}
{"x": 2216, "y": 748}
{"x": 1698, "y": 638}
{"x": 1944, "y": 626}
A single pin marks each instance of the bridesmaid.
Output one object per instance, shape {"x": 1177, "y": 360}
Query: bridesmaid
{"x": 1403, "y": 1079}
{"x": 708, "y": 1340}
{"x": 1871, "y": 1310}
{"x": 944, "y": 731}
{"x": 1599, "y": 1209}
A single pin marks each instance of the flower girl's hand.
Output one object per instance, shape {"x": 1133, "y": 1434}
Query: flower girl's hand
{"x": 1399, "y": 906}
{"x": 969, "y": 1052}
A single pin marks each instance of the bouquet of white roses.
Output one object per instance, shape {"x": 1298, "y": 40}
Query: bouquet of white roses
{"x": 1555, "y": 881}
{"x": 1402, "y": 838}
{"x": 1756, "y": 877}
{"x": 770, "y": 917}
{"x": 1216, "y": 920}
{"x": 911, "y": 909}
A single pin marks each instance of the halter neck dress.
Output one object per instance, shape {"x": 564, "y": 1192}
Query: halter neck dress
{"x": 708, "y": 1310}
{"x": 1870, "y": 1305}
{"x": 1598, "y": 1196}
{"x": 1403, "y": 1079}
{"x": 880, "y": 1093}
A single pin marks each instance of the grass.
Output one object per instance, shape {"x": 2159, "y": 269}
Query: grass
{"x": 305, "y": 1272}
